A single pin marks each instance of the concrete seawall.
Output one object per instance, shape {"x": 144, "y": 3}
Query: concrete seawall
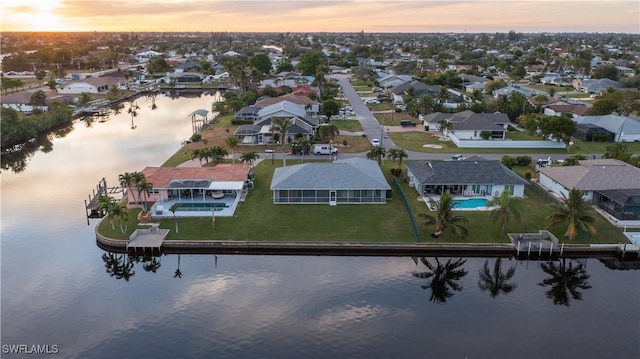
{"x": 362, "y": 249}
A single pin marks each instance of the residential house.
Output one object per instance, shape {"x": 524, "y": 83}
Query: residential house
{"x": 418, "y": 87}
{"x": 388, "y": 81}
{"x": 261, "y": 131}
{"x": 146, "y": 55}
{"x": 471, "y": 177}
{"x": 468, "y": 125}
{"x": 21, "y": 102}
{"x": 559, "y": 110}
{"x": 508, "y": 90}
{"x": 626, "y": 129}
{"x": 595, "y": 86}
{"x": 612, "y": 185}
{"x": 196, "y": 190}
{"x": 92, "y": 85}
{"x": 626, "y": 71}
{"x": 347, "y": 181}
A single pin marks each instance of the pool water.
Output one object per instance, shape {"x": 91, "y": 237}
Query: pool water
{"x": 470, "y": 203}
{"x": 201, "y": 206}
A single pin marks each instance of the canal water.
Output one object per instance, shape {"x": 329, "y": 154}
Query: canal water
{"x": 63, "y": 293}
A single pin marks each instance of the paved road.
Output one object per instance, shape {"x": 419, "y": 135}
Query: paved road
{"x": 370, "y": 124}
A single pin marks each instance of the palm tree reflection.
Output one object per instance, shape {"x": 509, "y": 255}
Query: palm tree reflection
{"x": 442, "y": 278}
{"x": 152, "y": 265}
{"x": 118, "y": 266}
{"x": 178, "y": 273}
{"x": 565, "y": 281}
{"x": 496, "y": 282}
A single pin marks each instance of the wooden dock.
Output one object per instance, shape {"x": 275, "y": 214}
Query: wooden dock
{"x": 91, "y": 207}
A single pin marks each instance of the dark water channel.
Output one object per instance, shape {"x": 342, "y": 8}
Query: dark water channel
{"x": 59, "y": 289}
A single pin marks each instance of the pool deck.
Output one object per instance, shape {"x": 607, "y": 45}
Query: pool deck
{"x": 161, "y": 210}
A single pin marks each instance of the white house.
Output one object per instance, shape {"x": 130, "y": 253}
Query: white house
{"x": 21, "y": 102}
{"x": 626, "y": 129}
{"x": 93, "y": 85}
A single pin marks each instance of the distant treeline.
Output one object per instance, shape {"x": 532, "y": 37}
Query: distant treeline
{"x": 18, "y": 128}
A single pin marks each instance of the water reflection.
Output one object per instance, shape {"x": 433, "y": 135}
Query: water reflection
{"x": 17, "y": 158}
{"x": 442, "y": 277}
{"x": 567, "y": 278}
{"x": 118, "y": 266}
{"x": 496, "y": 282}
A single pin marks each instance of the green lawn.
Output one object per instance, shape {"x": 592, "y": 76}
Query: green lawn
{"x": 348, "y": 125}
{"x": 258, "y": 219}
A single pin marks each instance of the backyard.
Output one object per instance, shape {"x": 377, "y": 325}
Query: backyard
{"x": 258, "y": 219}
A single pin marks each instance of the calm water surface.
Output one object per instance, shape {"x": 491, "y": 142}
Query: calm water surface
{"x": 59, "y": 288}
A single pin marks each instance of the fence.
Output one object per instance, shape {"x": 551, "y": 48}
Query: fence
{"x": 416, "y": 232}
{"x": 505, "y": 143}
{"x": 540, "y": 191}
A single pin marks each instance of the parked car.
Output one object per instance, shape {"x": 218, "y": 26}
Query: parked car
{"x": 371, "y": 101}
{"x": 457, "y": 157}
{"x": 382, "y": 97}
{"x": 376, "y": 89}
{"x": 375, "y": 142}
{"x": 407, "y": 123}
{"x": 401, "y": 108}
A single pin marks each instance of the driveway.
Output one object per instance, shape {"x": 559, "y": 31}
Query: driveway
{"x": 370, "y": 125}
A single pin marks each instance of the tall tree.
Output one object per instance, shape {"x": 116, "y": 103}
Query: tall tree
{"x": 575, "y": 210}
{"x": 38, "y": 99}
{"x": 327, "y": 133}
{"x": 377, "y": 153}
{"x": 281, "y": 125}
{"x": 446, "y": 218}
{"x": 506, "y": 207}
{"x": 173, "y": 209}
{"x": 249, "y": 158}
{"x": 232, "y": 142}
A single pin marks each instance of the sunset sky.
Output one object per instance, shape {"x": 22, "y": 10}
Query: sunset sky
{"x": 320, "y": 16}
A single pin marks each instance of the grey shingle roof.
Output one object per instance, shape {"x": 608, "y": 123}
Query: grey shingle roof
{"x": 352, "y": 173}
{"x": 596, "y": 175}
{"x": 463, "y": 172}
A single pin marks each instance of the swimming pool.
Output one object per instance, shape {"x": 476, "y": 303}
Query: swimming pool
{"x": 206, "y": 206}
{"x": 469, "y": 203}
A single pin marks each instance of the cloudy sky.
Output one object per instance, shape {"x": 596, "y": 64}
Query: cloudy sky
{"x": 321, "y": 16}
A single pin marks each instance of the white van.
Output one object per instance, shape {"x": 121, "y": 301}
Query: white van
{"x": 324, "y": 150}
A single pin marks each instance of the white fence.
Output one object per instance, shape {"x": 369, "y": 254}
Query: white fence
{"x": 505, "y": 143}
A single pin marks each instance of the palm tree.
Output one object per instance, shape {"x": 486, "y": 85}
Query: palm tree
{"x": 126, "y": 180}
{"x": 377, "y": 153}
{"x": 281, "y": 125}
{"x": 443, "y": 94}
{"x": 565, "y": 281}
{"x": 232, "y": 142}
{"x": 105, "y": 203}
{"x": 397, "y": 154}
{"x": 575, "y": 210}
{"x": 445, "y": 217}
{"x": 137, "y": 178}
{"x": 173, "y": 209}
{"x": 216, "y": 153}
{"x": 119, "y": 212}
{"x": 249, "y": 157}
{"x": 145, "y": 188}
{"x": 506, "y": 208}
{"x": 200, "y": 154}
{"x": 328, "y": 133}
{"x": 444, "y": 126}
{"x": 442, "y": 277}
{"x": 496, "y": 282}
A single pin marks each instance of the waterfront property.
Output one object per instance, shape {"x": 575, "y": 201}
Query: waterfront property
{"x": 197, "y": 191}
{"x": 471, "y": 177}
{"x": 353, "y": 180}
{"x": 613, "y": 186}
